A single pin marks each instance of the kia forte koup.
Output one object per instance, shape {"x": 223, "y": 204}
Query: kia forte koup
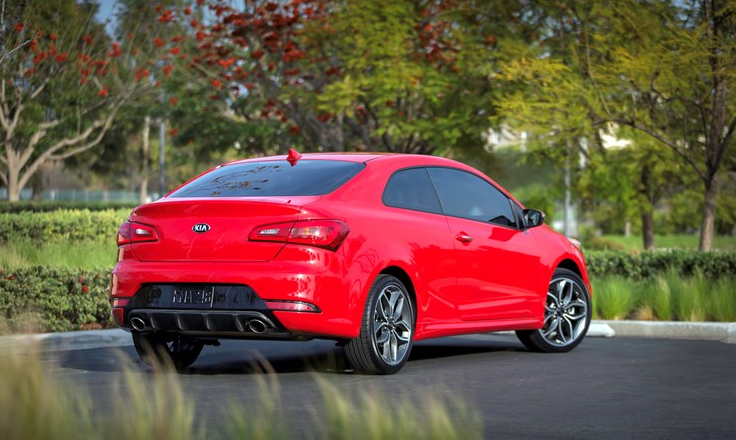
{"x": 375, "y": 251}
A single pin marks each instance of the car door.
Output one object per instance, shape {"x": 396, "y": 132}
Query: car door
{"x": 497, "y": 267}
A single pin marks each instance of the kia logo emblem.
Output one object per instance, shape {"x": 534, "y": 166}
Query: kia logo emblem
{"x": 201, "y": 228}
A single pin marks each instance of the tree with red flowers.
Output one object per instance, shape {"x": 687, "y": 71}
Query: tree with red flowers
{"x": 61, "y": 90}
{"x": 365, "y": 75}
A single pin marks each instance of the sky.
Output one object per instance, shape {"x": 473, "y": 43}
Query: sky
{"x": 106, "y": 10}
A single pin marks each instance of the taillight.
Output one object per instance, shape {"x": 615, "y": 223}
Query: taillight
{"x": 328, "y": 234}
{"x": 132, "y": 232}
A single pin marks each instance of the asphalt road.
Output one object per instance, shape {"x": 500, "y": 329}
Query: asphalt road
{"x": 606, "y": 388}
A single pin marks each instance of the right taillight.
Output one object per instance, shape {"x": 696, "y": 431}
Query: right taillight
{"x": 328, "y": 234}
{"x": 132, "y": 232}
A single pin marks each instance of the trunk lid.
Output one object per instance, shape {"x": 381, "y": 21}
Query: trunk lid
{"x": 183, "y": 236}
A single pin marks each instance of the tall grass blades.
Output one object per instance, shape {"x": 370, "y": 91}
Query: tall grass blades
{"x": 614, "y": 298}
{"x": 33, "y": 405}
{"x": 722, "y": 300}
{"x": 371, "y": 416}
{"x": 658, "y": 296}
{"x": 690, "y": 296}
{"x": 152, "y": 408}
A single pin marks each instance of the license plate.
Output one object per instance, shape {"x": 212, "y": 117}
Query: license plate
{"x": 194, "y": 296}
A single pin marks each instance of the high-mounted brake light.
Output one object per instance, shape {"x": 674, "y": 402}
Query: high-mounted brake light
{"x": 328, "y": 234}
{"x": 132, "y": 232}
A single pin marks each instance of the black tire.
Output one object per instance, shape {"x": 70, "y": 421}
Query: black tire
{"x": 567, "y": 315}
{"x": 385, "y": 342}
{"x": 161, "y": 350}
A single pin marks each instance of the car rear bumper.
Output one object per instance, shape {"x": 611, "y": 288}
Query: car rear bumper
{"x": 317, "y": 280}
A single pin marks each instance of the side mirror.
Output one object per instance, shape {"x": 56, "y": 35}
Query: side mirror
{"x": 533, "y": 217}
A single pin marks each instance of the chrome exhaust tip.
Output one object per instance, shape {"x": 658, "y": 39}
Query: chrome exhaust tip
{"x": 138, "y": 323}
{"x": 257, "y": 326}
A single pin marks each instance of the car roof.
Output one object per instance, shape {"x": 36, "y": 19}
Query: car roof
{"x": 408, "y": 159}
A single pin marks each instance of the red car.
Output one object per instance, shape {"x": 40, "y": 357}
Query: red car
{"x": 375, "y": 251}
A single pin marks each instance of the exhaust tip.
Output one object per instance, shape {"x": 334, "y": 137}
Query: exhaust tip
{"x": 257, "y": 326}
{"x": 137, "y": 323}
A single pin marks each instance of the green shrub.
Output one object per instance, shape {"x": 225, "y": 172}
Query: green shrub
{"x": 47, "y": 206}
{"x": 614, "y": 298}
{"x": 645, "y": 265}
{"x": 52, "y": 299}
{"x": 62, "y": 225}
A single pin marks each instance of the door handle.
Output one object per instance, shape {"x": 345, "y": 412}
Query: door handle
{"x": 463, "y": 237}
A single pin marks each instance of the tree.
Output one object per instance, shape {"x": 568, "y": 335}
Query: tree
{"x": 365, "y": 75}
{"x": 60, "y": 92}
{"x": 662, "y": 68}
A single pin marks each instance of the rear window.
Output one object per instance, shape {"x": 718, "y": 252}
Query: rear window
{"x": 268, "y": 179}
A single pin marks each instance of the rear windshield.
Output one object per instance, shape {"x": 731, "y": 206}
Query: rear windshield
{"x": 268, "y": 179}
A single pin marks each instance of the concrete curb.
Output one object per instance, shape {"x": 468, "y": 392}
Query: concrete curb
{"x": 709, "y": 331}
{"x": 80, "y": 340}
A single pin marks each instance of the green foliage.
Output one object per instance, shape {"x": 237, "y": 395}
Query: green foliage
{"x": 61, "y": 253}
{"x": 52, "y": 299}
{"x": 613, "y": 298}
{"x": 48, "y": 206}
{"x": 355, "y": 417}
{"x": 667, "y": 296}
{"x": 633, "y": 243}
{"x": 35, "y": 405}
{"x": 646, "y": 265}
{"x": 62, "y": 225}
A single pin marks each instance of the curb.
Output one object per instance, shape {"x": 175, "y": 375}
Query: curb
{"x": 63, "y": 341}
{"x": 707, "y": 331}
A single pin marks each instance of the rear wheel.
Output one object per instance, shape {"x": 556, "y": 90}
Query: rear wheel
{"x": 158, "y": 349}
{"x": 387, "y": 332}
{"x": 567, "y": 313}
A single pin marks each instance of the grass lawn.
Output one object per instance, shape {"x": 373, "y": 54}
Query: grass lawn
{"x": 85, "y": 254}
{"x": 679, "y": 241}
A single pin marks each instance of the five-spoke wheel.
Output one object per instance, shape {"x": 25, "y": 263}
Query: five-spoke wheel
{"x": 567, "y": 313}
{"x": 387, "y": 332}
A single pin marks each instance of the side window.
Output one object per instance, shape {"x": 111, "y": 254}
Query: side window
{"x": 466, "y": 195}
{"x": 412, "y": 189}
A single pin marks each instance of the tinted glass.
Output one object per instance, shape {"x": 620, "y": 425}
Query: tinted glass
{"x": 412, "y": 189}
{"x": 267, "y": 179}
{"x": 466, "y": 195}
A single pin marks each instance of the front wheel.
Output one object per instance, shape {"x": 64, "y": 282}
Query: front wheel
{"x": 567, "y": 313}
{"x": 156, "y": 349}
{"x": 387, "y": 331}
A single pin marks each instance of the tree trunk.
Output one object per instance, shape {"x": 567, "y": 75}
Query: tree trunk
{"x": 647, "y": 196}
{"x": 647, "y": 228}
{"x": 707, "y": 226}
{"x": 14, "y": 188}
{"x": 145, "y": 166}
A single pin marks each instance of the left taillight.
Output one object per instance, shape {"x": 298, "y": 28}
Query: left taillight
{"x": 328, "y": 234}
{"x": 132, "y": 232}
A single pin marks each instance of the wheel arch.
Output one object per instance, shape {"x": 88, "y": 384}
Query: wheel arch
{"x": 570, "y": 265}
{"x": 406, "y": 280}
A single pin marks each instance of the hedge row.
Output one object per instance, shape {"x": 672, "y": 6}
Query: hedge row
{"x": 648, "y": 264}
{"x": 49, "y": 206}
{"x": 62, "y": 225}
{"x": 56, "y": 299}
{"x": 62, "y": 299}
